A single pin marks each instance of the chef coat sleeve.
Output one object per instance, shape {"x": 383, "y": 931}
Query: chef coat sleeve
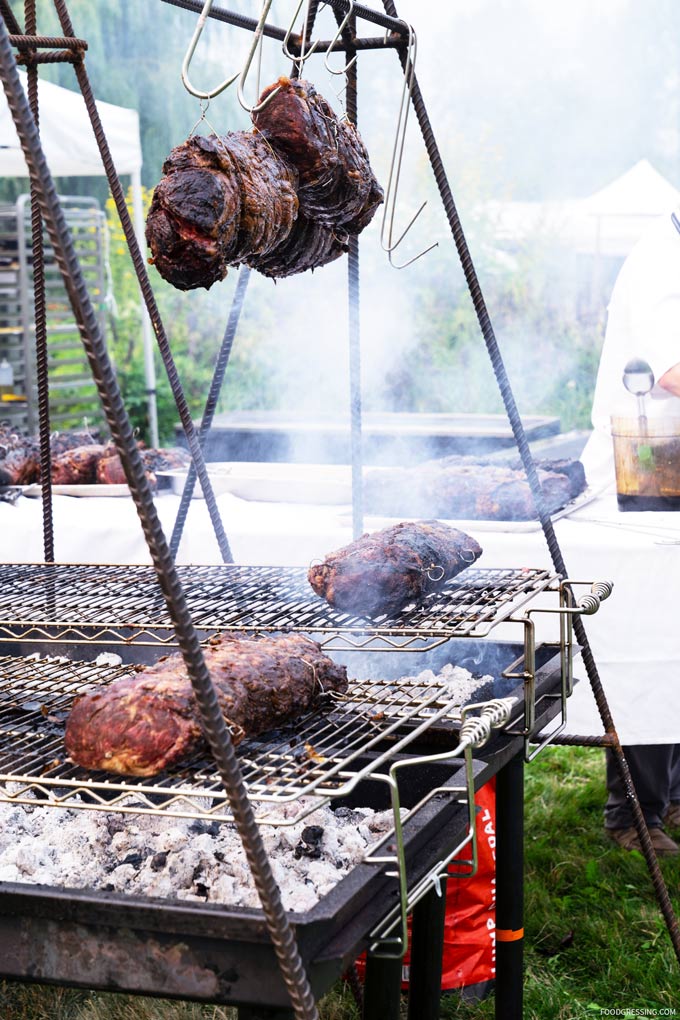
{"x": 663, "y": 337}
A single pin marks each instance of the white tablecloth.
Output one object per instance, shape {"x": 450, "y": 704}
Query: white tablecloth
{"x": 635, "y": 636}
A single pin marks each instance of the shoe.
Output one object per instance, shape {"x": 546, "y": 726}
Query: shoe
{"x": 672, "y": 817}
{"x": 628, "y": 839}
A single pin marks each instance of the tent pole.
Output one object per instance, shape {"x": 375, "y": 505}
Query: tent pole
{"x": 147, "y": 341}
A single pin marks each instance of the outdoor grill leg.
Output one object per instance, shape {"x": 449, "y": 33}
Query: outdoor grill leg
{"x": 427, "y": 947}
{"x": 382, "y": 989}
{"x": 510, "y": 890}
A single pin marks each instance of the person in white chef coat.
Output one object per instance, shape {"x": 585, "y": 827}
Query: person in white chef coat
{"x": 643, "y": 322}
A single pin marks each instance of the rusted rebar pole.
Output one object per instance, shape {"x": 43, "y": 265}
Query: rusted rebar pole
{"x": 146, "y": 290}
{"x": 39, "y": 309}
{"x": 521, "y": 441}
{"x": 214, "y": 725}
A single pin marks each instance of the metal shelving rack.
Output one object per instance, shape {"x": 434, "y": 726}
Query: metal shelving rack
{"x": 72, "y": 398}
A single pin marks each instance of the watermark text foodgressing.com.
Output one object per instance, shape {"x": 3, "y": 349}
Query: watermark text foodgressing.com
{"x": 641, "y": 1011}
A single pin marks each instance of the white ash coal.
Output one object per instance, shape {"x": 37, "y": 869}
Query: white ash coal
{"x": 170, "y": 858}
{"x": 459, "y": 684}
{"x": 194, "y": 859}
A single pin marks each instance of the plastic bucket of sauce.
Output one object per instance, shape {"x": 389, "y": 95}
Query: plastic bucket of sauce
{"x": 647, "y": 463}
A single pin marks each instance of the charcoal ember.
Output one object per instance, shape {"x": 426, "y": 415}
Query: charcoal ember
{"x": 77, "y": 466}
{"x": 309, "y": 845}
{"x": 222, "y": 199}
{"x": 142, "y": 724}
{"x": 337, "y": 186}
{"x": 382, "y": 572}
{"x": 158, "y": 861}
{"x": 309, "y": 245}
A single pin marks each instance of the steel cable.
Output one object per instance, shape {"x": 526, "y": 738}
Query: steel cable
{"x": 104, "y": 376}
{"x": 534, "y": 484}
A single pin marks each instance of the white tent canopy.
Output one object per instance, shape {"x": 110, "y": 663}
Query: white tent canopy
{"x": 606, "y": 223}
{"x": 70, "y": 149}
{"x": 67, "y": 137}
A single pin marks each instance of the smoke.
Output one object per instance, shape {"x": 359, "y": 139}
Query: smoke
{"x": 517, "y": 94}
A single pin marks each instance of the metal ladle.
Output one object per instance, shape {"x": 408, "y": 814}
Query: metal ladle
{"x": 638, "y": 379}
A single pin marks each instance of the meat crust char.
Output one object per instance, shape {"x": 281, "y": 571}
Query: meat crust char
{"x": 222, "y": 201}
{"x": 337, "y": 186}
{"x": 281, "y": 199}
{"x": 78, "y": 466}
{"x": 466, "y": 489}
{"x": 382, "y": 572}
{"x": 141, "y": 725}
{"x": 19, "y": 457}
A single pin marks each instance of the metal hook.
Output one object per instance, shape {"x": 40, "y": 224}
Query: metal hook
{"x": 257, "y": 38}
{"x": 396, "y": 163}
{"x": 336, "y": 38}
{"x": 203, "y": 17}
{"x": 299, "y": 59}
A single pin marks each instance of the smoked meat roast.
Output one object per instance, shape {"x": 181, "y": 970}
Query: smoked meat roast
{"x": 142, "y": 724}
{"x": 382, "y": 572}
{"x": 281, "y": 199}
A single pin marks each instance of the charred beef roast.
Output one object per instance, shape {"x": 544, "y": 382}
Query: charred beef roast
{"x": 336, "y": 184}
{"x": 382, "y": 572}
{"x": 77, "y": 458}
{"x": 223, "y": 200}
{"x": 460, "y": 488}
{"x": 19, "y": 457}
{"x": 145, "y": 723}
{"x": 281, "y": 199}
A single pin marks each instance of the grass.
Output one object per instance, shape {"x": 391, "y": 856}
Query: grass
{"x": 595, "y": 936}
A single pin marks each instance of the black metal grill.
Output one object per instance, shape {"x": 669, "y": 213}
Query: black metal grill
{"x": 115, "y": 603}
{"x": 319, "y": 753}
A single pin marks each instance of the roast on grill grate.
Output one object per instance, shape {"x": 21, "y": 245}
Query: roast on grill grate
{"x": 381, "y": 573}
{"x": 314, "y": 755}
{"x": 144, "y": 724}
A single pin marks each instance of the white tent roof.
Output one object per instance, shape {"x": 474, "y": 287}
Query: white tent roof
{"x": 608, "y": 222}
{"x": 640, "y": 191}
{"x": 67, "y": 136}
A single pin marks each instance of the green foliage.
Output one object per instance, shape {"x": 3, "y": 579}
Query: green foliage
{"x": 549, "y": 345}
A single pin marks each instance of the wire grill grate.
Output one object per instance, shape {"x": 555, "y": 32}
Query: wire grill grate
{"x": 125, "y": 603}
{"x": 320, "y": 754}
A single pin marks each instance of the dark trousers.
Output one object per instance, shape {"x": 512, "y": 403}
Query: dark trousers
{"x": 655, "y": 770}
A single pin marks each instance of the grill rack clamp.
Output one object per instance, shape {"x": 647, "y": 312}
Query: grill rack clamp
{"x": 474, "y": 733}
{"x": 569, "y": 607}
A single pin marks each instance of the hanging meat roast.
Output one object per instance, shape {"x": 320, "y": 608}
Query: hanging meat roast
{"x": 281, "y": 199}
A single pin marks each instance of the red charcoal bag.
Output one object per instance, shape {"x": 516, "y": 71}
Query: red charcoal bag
{"x": 469, "y": 954}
